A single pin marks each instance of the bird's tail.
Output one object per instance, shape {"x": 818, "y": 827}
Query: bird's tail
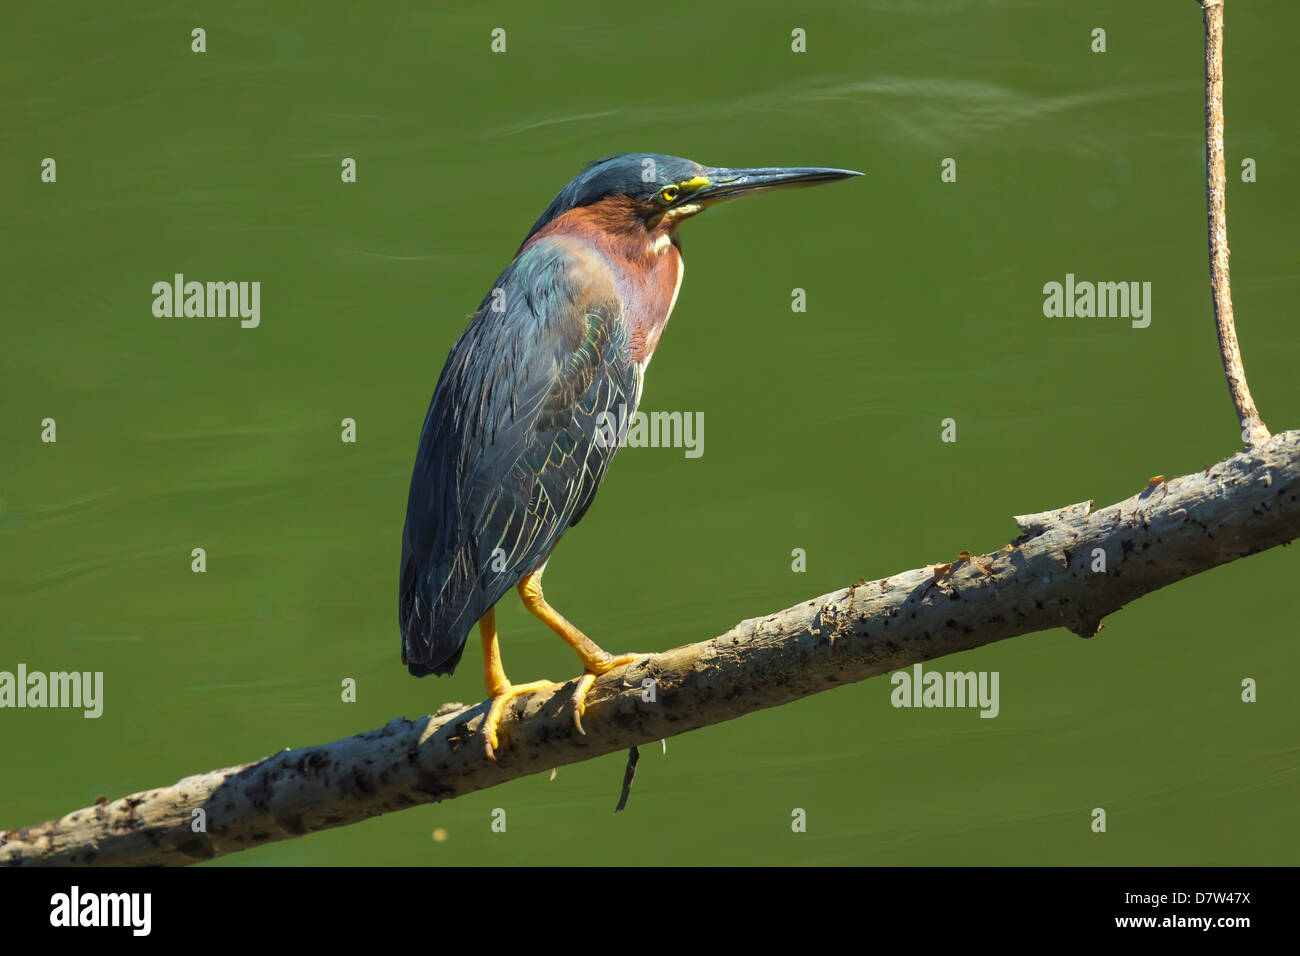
{"x": 419, "y": 621}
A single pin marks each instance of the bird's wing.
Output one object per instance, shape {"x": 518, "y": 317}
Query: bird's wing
{"x": 516, "y": 441}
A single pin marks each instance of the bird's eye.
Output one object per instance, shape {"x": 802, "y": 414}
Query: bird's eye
{"x": 668, "y": 194}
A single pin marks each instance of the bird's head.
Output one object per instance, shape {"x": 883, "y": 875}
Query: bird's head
{"x": 657, "y": 192}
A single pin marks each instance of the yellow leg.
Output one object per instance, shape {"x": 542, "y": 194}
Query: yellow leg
{"x": 594, "y": 661}
{"x": 499, "y": 688}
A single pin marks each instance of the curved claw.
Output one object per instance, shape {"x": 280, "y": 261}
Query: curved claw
{"x": 579, "y": 698}
{"x": 493, "y": 719}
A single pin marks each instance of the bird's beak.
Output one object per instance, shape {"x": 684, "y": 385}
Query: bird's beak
{"x": 724, "y": 183}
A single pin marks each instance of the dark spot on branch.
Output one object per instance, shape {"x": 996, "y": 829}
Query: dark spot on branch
{"x": 199, "y": 847}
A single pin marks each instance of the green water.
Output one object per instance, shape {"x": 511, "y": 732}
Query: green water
{"x": 822, "y": 429}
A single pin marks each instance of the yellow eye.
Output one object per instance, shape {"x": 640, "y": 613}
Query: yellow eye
{"x": 668, "y": 194}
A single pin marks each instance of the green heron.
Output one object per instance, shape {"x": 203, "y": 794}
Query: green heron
{"x": 513, "y": 449}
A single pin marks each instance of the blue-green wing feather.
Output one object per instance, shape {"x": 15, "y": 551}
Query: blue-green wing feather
{"x": 513, "y": 448}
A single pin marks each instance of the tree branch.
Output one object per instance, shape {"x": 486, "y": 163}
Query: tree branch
{"x": 1044, "y": 579}
{"x": 1216, "y": 198}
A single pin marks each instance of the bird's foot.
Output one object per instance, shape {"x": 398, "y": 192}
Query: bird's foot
{"x": 595, "y": 667}
{"x": 501, "y": 696}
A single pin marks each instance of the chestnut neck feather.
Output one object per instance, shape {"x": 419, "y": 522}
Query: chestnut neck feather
{"x": 645, "y": 263}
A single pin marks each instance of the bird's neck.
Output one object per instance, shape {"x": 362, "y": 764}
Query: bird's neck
{"x": 646, "y": 264}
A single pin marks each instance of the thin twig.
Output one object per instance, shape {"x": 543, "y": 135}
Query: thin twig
{"x": 633, "y": 755}
{"x": 1252, "y": 428}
